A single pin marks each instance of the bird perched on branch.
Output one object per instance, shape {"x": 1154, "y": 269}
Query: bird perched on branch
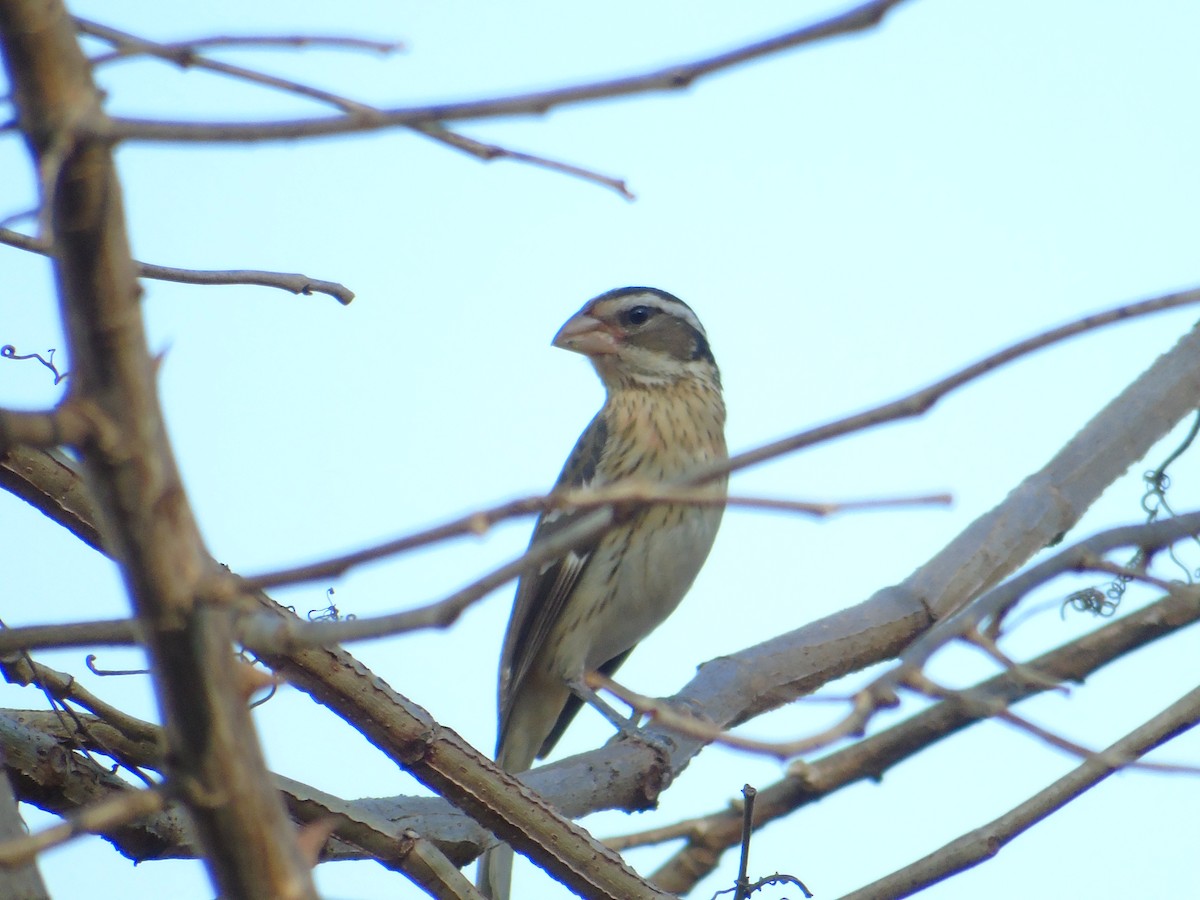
{"x": 662, "y": 421}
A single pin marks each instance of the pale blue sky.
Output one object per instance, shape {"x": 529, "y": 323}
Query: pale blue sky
{"x": 850, "y": 221}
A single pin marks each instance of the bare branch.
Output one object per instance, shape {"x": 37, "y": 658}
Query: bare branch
{"x": 266, "y": 633}
{"x": 8, "y": 351}
{"x": 294, "y": 283}
{"x": 100, "y": 633}
{"x": 627, "y": 496}
{"x": 252, "y": 42}
{"x": 23, "y": 882}
{"x": 964, "y": 624}
{"x": 489, "y": 152}
{"x": 51, "y": 483}
{"x": 65, "y": 782}
{"x": 677, "y": 77}
{"x": 63, "y": 686}
{"x": 249, "y": 845}
{"x": 187, "y": 57}
{"x": 985, "y": 842}
{"x": 59, "y": 427}
{"x": 120, "y": 809}
{"x": 393, "y": 845}
{"x": 920, "y": 402}
{"x": 681, "y": 722}
{"x": 1150, "y": 536}
{"x": 741, "y": 685}
{"x": 808, "y": 782}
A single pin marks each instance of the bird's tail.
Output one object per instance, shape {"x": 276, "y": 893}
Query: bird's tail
{"x": 495, "y": 872}
{"x": 523, "y": 733}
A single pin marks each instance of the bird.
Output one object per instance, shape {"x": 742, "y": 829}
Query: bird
{"x": 663, "y": 419}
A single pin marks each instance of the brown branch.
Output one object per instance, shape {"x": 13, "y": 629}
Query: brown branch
{"x": 101, "y": 633}
{"x": 183, "y": 48}
{"x": 1150, "y": 537}
{"x": 266, "y": 633}
{"x": 20, "y": 882}
{"x": 964, "y": 624}
{"x": 627, "y": 496}
{"x": 676, "y": 77}
{"x": 117, "y": 810}
{"x": 358, "y": 832}
{"x": 985, "y": 842}
{"x": 441, "y": 760}
{"x": 809, "y": 782}
{"x": 681, "y": 722}
{"x": 51, "y": 483}
{"x": 920, "y": 402}
{"x": 187, "y": 57}
{"x": 51, "y": 777}
{"x": 489, "y": 152}
{"x": 62, "y": 686}
{"x": 739, "y": 686}
{"x": 292, "y": 282}
{"x": 1104, "y": 757}
{"x": 249, "y": 845}
{"x": 60, "y": 427}
{"x": 392, "y": 844}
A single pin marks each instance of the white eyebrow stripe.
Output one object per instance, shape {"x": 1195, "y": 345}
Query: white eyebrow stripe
{"x": 663, "y": 305}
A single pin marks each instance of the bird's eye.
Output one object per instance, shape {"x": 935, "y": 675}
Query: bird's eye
{"x": 638, "y": 315}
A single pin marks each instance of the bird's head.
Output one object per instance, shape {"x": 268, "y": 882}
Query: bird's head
{"x": 640, "y": 337}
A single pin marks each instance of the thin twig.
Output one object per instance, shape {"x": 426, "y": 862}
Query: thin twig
{"x": 112, "y": 812}
{"x": 881, "y": 692}
{"x": 985, "y": 842}
{"x": 921, "y": 401}
{"x": 293, "y": 282}
{"x": 679, "y": 721}
{"x": 64, "y": 686}
{"x": 962, "y": 624}
{"x": 488, "y": 152}
{"x": 629, "y": 495}
{"x": 187, "y": 57}
{"x": 742, "y": 889}
{"x": 254, "y": 42}
{"x": 671, "y": 78}
{"x": 809, "y": 782}
{"x": 103, "y": 633}
{"x": 268, "y": 633}
{"x": 996, "y": 603}
{"x": 8, "y": 351}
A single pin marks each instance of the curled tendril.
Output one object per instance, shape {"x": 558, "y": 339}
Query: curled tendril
{"x": 330, "y": 613}
{"x": 261, "y": 700}
{"x": 1093, "y": 601}
{"x": 251, "y": 660}
{"x": 8, "y": 351}
{"x": 90, "y": 662}
{"x": 1154, "y": 504}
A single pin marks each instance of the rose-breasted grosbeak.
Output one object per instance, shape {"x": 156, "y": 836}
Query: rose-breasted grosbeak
{"x": 663, "y": 419}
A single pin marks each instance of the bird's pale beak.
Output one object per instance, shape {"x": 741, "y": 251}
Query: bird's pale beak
{"x": 586, "y": 335}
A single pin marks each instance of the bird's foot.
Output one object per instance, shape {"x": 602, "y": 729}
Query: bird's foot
{"x": 627, "y": 726}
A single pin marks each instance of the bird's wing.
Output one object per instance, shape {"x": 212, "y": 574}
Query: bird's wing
{"x": 542, "y": 595}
